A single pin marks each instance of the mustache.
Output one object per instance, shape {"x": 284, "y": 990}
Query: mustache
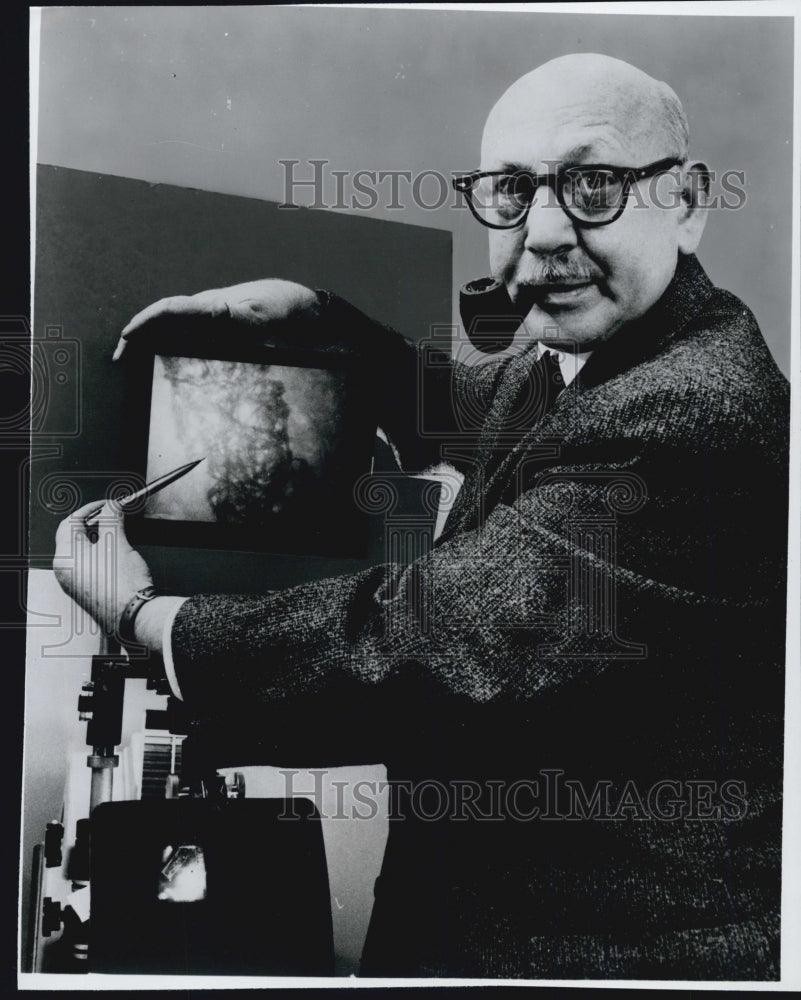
{"x": 559, "y": 270}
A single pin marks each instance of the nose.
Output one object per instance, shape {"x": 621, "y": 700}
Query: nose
{"x": 548, "y": 230}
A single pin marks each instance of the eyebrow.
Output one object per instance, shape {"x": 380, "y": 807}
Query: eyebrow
{"x": 572, "y": 158}
{"x": 579, "y": 153}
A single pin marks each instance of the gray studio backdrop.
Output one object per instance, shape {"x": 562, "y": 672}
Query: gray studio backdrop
{"x": 214, "y": 98}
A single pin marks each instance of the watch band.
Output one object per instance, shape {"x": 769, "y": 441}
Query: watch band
{"x": 125, "y": 630}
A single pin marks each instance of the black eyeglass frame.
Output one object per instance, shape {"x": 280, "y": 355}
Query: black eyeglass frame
{"x": 556, "y": 181}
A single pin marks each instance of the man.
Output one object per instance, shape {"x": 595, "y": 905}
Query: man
{"x": 588, "y": 665}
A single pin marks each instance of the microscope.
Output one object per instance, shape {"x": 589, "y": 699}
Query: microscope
{"x": 191, "y": 877}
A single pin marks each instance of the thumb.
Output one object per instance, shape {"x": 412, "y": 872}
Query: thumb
{"x": 111, "y": 521}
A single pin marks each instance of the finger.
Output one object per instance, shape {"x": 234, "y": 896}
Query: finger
{"x": 76, "y": 524}
{"x": 72, "y": 534}
{"x": 110, "y": 514}
{"x": 208, "y": 303}
{"x": 203, "y": 304}
{"x": 109, "y": 525}
{"x": 81, "y": 513}
{"x": 106, "y": 514}
{"x": 175, "y": 305}
{"x": 91, "y": 513}
{"x": 77, "y": 527}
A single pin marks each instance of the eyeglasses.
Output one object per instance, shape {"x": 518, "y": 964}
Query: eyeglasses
{"x": 590, "y": 195}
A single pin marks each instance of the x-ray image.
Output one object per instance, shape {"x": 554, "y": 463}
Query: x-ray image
{"x": 269, "y": 434}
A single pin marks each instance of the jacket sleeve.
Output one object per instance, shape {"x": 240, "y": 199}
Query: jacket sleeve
{"x": 323, "y": 672}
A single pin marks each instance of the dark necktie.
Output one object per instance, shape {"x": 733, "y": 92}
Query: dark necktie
{"x": 530, "y": 395}
{"x": 536, "y": 395}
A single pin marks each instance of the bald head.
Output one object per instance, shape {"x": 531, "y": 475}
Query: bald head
{"x": 595, "y": 96}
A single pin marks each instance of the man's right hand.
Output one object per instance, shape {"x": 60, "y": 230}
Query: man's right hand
{"x": 254, "y": 304}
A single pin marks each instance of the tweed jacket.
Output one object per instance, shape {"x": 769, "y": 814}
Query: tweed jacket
{"x": 600, "y": 629}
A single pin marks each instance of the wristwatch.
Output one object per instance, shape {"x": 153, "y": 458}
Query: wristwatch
{"x": 125, "y": 630}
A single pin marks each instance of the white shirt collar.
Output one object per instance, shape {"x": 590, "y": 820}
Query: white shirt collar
{"x": 570, "y": 362}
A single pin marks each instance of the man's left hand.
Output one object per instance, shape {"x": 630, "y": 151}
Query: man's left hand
{"x": 100, "y": 575}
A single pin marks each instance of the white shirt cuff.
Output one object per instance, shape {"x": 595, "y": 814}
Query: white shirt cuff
{"x": 166, "y": 648}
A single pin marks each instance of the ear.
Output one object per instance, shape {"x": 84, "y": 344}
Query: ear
{"x": 694, "y": 204}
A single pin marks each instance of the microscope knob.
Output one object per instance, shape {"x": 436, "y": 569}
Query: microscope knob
{"x": 51, "y": 916}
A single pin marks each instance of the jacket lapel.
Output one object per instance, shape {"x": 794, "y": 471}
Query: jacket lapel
{"x": 501, "y": 449}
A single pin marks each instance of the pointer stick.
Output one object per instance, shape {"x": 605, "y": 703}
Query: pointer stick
{"x": 147, "y": 491}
